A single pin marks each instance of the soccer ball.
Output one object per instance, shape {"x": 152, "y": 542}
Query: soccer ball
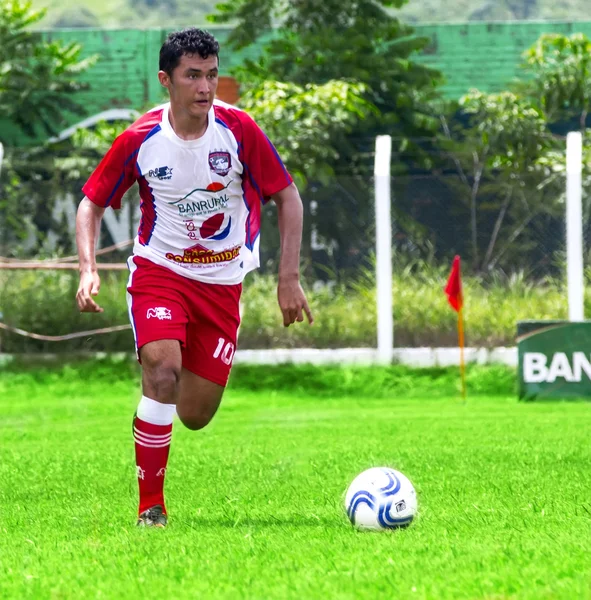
{"x": 381, "y": 498}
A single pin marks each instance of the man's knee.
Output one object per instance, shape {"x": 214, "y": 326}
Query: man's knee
{"x": 196, "y": 408}
{"x": 161, "y": 380}
{"x": 198, "y": 400}
{"x": 161, "y": 370}
{"x": 195, "y": 419}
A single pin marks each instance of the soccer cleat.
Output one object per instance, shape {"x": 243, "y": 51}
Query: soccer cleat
{"x": 153, "y": 517}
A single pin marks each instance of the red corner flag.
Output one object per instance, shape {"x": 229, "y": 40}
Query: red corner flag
{"x": 453, "y": 289}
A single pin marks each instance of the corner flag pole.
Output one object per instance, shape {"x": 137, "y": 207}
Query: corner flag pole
{"x": 461, "y": 343}
{"x": 453, "y": 289}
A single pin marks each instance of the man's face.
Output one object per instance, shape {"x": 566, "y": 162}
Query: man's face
{"x": 193, "y": 83}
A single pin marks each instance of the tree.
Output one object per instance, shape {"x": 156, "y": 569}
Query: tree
{"x": 355, "y": 40}
{"x": 506, "y": 188}
{"x": 307, "y": 123}
{"x": 337, "y": 43}
{"x": 561, "y": 69}
{"x": 35, "y": 177}
{"x": 37, "y": 78}
{"x": 304, "y": 121}
{"x": 500, "y": 140}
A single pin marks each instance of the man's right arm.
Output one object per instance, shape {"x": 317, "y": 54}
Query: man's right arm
{"x": 88, "y": 225}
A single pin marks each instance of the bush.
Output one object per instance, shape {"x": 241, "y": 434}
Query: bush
{"x": 345, "y": 315}
{"x": 316, "y": 381}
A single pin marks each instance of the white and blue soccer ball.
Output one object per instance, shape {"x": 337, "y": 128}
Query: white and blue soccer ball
{"x": 381, "y": 498}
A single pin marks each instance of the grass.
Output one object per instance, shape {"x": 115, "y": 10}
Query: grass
{"x": 256, "y": 498}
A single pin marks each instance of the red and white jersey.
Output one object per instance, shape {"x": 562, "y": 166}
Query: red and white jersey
{"x": 200, "y": 199}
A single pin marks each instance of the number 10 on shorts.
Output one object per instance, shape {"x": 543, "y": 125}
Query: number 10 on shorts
{"x": 225, "y": 351}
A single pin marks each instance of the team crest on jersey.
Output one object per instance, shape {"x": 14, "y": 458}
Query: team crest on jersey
{"x": 161, "y": 173}
{"x": 220, "y": 163}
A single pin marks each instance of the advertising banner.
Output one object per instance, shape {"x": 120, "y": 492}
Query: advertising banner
{"x": 554, "y": 359}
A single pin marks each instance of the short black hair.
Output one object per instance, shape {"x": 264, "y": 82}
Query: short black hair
{"x": 187, "y": 41}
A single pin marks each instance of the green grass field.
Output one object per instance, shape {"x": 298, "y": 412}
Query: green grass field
{"x": 255, "y": 499}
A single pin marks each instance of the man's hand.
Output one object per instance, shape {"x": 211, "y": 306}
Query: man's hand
{"x": 90, "y": 284}
{"x": 292, "y": 301}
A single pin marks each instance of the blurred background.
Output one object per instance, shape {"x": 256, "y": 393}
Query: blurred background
{"x": 477, "y": 95}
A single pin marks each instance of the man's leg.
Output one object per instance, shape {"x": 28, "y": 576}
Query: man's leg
{"x": 152, "y": 426}
{"x": 208, "y": 352}
{"x": 198, "y": 400}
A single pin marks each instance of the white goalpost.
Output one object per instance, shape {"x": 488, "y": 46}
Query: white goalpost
{"x": 574, "y": 225}
{"x": 385, "y": 320}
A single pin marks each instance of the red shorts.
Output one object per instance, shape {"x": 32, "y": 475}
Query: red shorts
{"x": 204, "y": 317}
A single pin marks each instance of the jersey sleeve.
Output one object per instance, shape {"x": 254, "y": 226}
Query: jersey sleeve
{"x": 265, "y": 167}
{"x": 115, "y": 173}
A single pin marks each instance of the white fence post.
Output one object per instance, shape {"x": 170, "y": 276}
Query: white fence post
{"x": 384, "y": 249}
{"x": 574, "y": 225}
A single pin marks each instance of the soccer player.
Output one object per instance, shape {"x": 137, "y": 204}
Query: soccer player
{"x": 204, "y": 168}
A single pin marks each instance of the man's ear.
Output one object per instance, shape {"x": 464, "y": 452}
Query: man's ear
{"x": 164, "y": 79}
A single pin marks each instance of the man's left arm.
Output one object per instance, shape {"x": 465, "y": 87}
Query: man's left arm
{"x": 291, "y": 297}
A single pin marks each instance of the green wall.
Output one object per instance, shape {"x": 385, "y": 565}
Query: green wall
{"x": 485, "y": 55}
{"x": 480, "y": 55}
{"x": 126, "y": 74}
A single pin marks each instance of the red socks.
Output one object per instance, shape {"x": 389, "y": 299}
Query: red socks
{"x": 152, "y": 444}
{"x": 152, "y": 432}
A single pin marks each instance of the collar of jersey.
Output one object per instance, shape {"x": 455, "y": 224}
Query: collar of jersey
{"x": 173, "y": 137}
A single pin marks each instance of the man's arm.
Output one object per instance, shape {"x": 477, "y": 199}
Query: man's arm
{"x": 88, "y": 225}
{"x": 291, "y": 297}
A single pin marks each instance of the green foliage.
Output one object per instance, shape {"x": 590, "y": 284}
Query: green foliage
{"x": 79, "y": 155}
{"x": 25, "y": 299}
{"x": 372, "y": 382}
{"x": 29, "y": 188}
{"x": 345, "y": 315}
{"x": 37, "y": 78}
{"x": 496, "y": 148}
{"x": 34, "y": 178}
{"x": 304, "y": 121}
{"x": 552, "y": 165}
{"x": 299, "y": 16}
{"x": 506, "y": 130}
{"x": 561, "y": 69}
{"x": 508, "y": 153}
{"x": 350, "y": 40}
{"x": 38, "y": 81}
{"x": 318, "y": 381}
{"x": 364, "y": 54}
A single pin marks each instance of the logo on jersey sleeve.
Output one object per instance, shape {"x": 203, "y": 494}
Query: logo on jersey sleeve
{"x": 220, "y": 163}
{"x": 160, "y": 313}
